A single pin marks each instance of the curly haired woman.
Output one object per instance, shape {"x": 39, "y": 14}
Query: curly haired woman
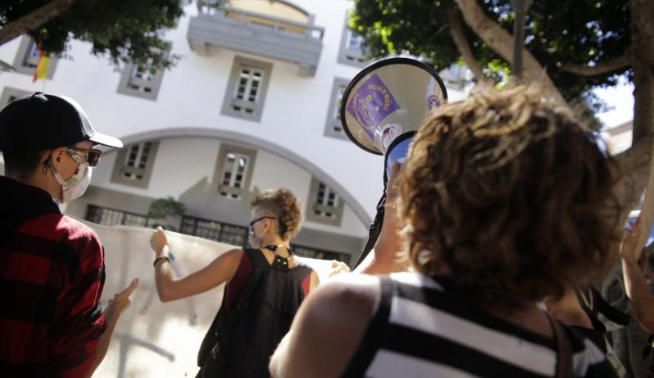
{"x": 503, "y": 201}
{"x": 265, "y": 286}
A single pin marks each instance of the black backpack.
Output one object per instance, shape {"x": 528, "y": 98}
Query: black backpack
{"x": 241, "y": 339}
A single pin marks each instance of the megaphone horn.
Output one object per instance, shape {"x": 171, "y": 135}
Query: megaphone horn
{"x": 383, "y": 106}
{"x": 388, "y": 99}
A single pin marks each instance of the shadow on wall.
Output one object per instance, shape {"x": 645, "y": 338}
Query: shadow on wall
{"x": 155, "y": 339}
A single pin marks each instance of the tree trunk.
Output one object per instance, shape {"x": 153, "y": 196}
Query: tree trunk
{"x": 502, "y": 43}
{"x": 642, "y": 62}
{"x": 635, "y": 164}
{"x": 456, "y": 31}
{"x": 34, "y": 19}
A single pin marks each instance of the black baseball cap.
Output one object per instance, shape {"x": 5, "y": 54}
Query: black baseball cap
{"x": 41, "y": 121}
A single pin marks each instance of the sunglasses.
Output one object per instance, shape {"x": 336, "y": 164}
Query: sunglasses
{"x": 92, "y": 155}
{"x": 256, "y": 220}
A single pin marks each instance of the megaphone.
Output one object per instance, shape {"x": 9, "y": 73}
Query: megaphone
{"x": 381, "y": 109}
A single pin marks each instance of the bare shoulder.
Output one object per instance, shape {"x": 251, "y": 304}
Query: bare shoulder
{"x": 352, "y": 296}
{"x": 226, "y": 265}
{"x": 234, "y": 252}
{"x": 354, "y": 292}
{"x": 233, "y": 255}
{"x": 334, "y": 317}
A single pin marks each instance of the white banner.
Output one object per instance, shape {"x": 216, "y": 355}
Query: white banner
{"x": 155, "y": 339}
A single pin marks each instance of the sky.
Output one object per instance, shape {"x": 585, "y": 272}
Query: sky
{"x": 621, "y": 99}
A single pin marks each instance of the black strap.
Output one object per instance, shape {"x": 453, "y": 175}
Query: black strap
{"x": 598, "y": 305}
{"x": 564, "y": 368}
{"x": 244, "y": 299}
{"x": 274, "y": 247}
{"x": 375, "y": 229}
{"x": 609, "y": 311}
{"x": 375, "y": 333}
{"x": 217, "y": 329}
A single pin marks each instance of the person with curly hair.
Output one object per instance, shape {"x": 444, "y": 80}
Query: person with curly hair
{"x": 265, "y": 286}
{"x": 504, "y": 200}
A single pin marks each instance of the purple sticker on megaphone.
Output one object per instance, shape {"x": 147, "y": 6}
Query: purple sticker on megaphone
{"x": 372, "y": 103}
{"x": 433, "y": 102}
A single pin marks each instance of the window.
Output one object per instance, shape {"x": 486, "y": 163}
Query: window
{"x": 353, "y": 48}
{"x": 10, "y": 94}
{"x": 325, "y": 206}
{"x": 134, "y": 164}
{"x": 138, "y": 82}
{"x": 214, "y": 230}
{"x": 27, "y": 58}
{"x": 246, "y": 90}
{"x": 316, "y": 253}
{"x": 234, "y": 171}
{"x": 354, "y": 41}
{"x": 113, "y": 217}
{"x": 31, "y": 56}
{"x": 334, "y": 127}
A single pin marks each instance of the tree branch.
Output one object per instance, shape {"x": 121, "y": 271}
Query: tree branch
{"x": 610, "y": 65}
{"x": 33, "y": 19}
{"x": 456, "y": 31}
{"x": 502, "y": 43}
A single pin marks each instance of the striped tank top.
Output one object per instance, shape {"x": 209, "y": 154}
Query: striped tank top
{"x": 422, "y": 329}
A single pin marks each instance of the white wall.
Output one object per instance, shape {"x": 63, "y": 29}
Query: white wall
{"x": 192, "y": 93}
{"x": 272, "y": 171}
{"x": 181, "y": 163}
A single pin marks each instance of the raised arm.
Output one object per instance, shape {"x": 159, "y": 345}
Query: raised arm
{"x": 383, "y": 259}
{"x": 170, "y": 288}
{"x": 640, "y": 296}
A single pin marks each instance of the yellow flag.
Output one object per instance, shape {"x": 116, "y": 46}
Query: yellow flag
{"x": 41, "y": 70}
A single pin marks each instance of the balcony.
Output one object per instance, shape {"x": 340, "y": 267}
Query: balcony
{"x": 222, "y": 25}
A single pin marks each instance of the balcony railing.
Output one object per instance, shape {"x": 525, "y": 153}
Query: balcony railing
{"x": 223, "y": 26}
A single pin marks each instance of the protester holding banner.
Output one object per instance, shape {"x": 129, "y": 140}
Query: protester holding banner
{"x": 265, "y": 286}
{"x": 503, "y": 201}
{"x": 51, "y": 266}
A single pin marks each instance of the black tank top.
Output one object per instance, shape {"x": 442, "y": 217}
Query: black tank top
{"x": 275, "y": 298}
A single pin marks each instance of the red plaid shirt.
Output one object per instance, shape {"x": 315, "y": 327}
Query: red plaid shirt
{"x": 51, "y": 279}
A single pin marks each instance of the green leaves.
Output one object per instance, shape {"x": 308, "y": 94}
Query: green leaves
{"x": 575, "y": 31}
{"x": 163, "y": 207}
{"x": 122, "y": 30}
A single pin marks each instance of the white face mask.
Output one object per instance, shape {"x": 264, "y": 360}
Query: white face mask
{"x": 75, "y": 186}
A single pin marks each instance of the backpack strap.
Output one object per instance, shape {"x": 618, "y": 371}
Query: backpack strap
{"x": 603, "y": 315}
{"x": 607, "y": 310}
{"x": 564, "y": 367}
{"x": 244, "y": 299}
{"x": 217, "y": 332}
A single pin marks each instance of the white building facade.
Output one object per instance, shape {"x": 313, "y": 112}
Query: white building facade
{"x": 251, "y": 104}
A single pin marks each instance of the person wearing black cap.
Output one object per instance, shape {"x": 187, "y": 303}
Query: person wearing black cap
{"x": 51, "y": 266}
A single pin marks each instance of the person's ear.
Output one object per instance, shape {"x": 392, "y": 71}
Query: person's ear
{"x": 57, "y": 156}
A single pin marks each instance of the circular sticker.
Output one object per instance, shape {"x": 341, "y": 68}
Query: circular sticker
{"x": 433, "y": 102}
{"x": 390, "y": 131}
